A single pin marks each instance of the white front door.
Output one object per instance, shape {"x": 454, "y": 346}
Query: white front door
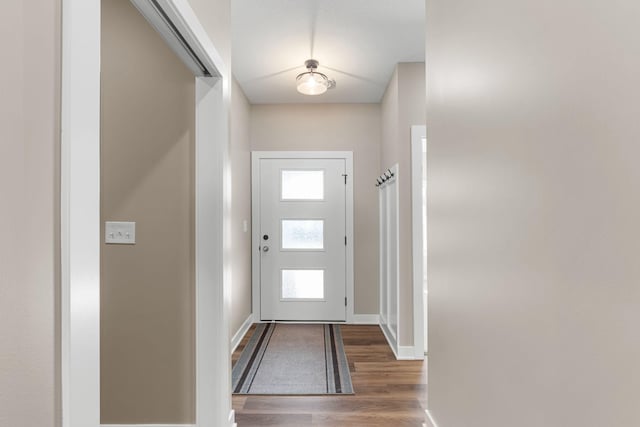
{"x": 303, "y": 239}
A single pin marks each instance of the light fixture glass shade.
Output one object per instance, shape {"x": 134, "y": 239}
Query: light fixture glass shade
{"x": 311, "y": 83}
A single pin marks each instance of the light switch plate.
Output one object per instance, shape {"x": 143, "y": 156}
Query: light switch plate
{"x": 120, "y": 233}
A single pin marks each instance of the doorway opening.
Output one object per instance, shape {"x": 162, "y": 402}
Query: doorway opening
{"x": 80, "y": 214}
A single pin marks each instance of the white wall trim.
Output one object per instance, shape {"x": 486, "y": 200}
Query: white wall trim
{"x": 366, "y": 319}
{"x": 213, "y": 382}
{"x": 406, "y": 352}
{"x": 389, "y": 277}
{"x": 351, "y": 238}
{"x": 390, "y": 340}
{"x": 255, "y": 219}
{"x": 240, "y": 333}
{"x": 147, "y": 425}
{"x": 80, "y": 221}
{"x": 417, "y": 133}
{"x": 80, "y": 214}
{"x": 401, "y": 352}
{"x": 430, "y": 421}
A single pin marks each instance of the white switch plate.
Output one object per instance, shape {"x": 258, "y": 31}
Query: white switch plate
{"x": 120, "y": 233}
{"x": 245, "y": 226}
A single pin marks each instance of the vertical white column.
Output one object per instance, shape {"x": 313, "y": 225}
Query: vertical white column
{"x": 213, "y": 381}
{"x": 417, "y": 212}
{"x": 80, "y": 213}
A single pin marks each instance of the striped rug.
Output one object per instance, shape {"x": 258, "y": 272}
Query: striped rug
{"x": 284, "y": 358}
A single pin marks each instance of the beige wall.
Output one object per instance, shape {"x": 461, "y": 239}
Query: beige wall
{"x": 29, "y": 190}
{"x": 240, "y": 151}
{"x": 215, "y": 17}
{"x": 403, "y": 105}
{"x": 533, "y": 213}
{"x": 335, "y": 127}
{"x": 147, "y": 174}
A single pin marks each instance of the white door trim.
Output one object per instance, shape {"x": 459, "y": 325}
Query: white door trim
{"x": 80, "y": 222}
{"x": 256, "y": 156}
{"x": 80, "y": 214}
{"x": 417, "y": 133}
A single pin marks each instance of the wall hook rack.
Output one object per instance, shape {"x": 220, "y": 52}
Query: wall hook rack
{"x": 386, "y": 176}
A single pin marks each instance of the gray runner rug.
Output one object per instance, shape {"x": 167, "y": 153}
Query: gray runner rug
{"x": 293, "y": 359}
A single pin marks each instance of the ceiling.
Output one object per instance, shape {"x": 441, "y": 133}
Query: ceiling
{"x": 357, "y": 42}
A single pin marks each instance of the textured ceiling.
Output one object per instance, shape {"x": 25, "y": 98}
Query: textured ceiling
{"x": 357, "y": 42}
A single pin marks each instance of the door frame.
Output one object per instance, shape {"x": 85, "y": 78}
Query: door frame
{"x": 256, "y": 156}
{"x": 419, "y": 309}
{"x": 80, "y": 221}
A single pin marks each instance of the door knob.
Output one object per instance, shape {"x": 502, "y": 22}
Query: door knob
{"x": 265, "y": 248}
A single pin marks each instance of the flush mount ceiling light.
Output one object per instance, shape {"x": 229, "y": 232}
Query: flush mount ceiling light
{"x": 312, "y": 82}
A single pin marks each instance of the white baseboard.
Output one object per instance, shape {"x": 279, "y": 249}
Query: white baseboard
{"x": 401, "y": 352}
{"x": 430, "y": 421}
{"x": 406, "y": 352}
{"x": 147, "y": 425}
{"x": 390, "y": 340}
{"x": 237, "y": 337}
{"x": 232, "y": 423}
{"x": 366, "y": 319}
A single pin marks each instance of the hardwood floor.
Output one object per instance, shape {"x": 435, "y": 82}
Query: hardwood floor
{"x": 387, "y": 392}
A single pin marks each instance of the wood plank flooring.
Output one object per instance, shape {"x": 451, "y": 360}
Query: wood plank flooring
{"x": 387, "y": 392}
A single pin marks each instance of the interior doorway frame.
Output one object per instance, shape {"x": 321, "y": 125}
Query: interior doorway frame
{"x": 256, "y": 156}
{"x": 418, "y": 162}
{"x": 80, "y": 221}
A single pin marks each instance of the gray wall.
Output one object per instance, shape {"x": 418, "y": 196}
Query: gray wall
{"x": 147, "y": 176}
{"x": 29, "y": 212}
{"x": 403, "y": 106}
{"x": 533, "y": 213}
{"x": 240, "y": 153}
{"x": 335, "y": 127}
